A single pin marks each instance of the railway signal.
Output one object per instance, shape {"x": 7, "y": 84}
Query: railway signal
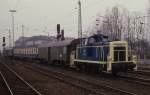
{"x": 4, "y": 44}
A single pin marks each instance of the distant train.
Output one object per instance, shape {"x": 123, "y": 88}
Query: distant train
{"x": 94, "y": 53}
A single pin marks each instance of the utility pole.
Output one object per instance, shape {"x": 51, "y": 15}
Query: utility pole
{"x": 141, "y": 41}
{"x": 9, "y": 37}
{"x": 12, "y": 14}
{"x": 22, "y": 35}
{"x": 79, "y": 21}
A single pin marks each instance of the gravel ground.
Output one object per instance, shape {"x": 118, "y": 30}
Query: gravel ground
{"x": 143, "y": 66}
{"x": 51, "y": 86}
{"x": 46, "y": 85}
{"x": 110, "y": 81}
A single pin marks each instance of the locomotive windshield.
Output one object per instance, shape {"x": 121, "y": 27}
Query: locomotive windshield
{"x": 95, "y": 39}
{"x": 119, "y": 54}
{"x": 100, "y": 38}
{"x": 105, "y": 39}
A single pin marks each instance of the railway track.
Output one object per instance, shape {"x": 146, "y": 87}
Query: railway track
{"x": 16, "y": 85}
{"x": 136, "y": 77}
{"x": 142, "y": 72}
{"x": 3, "y": 88}
{"x": 85, "y": 84}
{"x": 143, "y": 68}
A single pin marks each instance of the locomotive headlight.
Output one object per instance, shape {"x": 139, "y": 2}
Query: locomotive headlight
{"x": 135, "y": 61}
{"x": 134, "y": 58}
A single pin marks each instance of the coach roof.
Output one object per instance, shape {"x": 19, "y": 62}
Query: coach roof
{"x": 56, "y": 43}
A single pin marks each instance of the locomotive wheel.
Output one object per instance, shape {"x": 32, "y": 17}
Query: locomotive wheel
{"x": 83, "y": 67}
{"x": 114, "y": 72}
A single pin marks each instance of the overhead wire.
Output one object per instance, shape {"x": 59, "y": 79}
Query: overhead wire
{"x": 17, "y": 5}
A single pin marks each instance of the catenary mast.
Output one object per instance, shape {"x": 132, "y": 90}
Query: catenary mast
{"x": 79, "y": 21}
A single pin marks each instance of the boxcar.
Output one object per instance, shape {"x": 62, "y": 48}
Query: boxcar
{"x": 57, "y": 52}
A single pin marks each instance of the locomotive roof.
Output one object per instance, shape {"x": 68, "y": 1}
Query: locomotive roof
{"x": 99, "y": 35}
{"x": 57, "y": 43}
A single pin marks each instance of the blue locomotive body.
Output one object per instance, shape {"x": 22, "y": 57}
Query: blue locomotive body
{"x": 93, "y": 48}
{"x": 93, "y": 53}
{"x": 99, "y": 53}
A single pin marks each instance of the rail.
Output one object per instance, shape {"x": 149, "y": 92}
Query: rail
{"x": 134, "y": 78}
{"x": 24, "y": 85}
{"x": 8, "y": 87}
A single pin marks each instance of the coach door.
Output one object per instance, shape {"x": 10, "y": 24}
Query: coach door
{"x": 72, "y": 57}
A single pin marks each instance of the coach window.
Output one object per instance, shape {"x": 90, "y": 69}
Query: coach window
{"x": 20, "y": 51}
{"x": 27, "y": 51}
{"x": 34, "y": 50}
{"x": 30, "y": 50}
{"x": 64, "y": 50}
{"x": 23, "y": 51}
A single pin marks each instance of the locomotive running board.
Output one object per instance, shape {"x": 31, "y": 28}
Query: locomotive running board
{"x": 89, "y": 61}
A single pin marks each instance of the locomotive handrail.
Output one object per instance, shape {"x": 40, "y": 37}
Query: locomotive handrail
{"x": 92, "y": 46}
{"x": 100, "y": 46}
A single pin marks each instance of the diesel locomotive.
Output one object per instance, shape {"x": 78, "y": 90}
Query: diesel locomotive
{"x": 92, "y": 53}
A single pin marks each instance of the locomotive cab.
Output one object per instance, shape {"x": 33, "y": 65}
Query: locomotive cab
{"x": 118, "y": 57}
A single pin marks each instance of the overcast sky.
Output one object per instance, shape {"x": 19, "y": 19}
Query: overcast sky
{"x": 43, "y": 15}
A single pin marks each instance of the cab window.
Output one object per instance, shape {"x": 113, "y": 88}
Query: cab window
{"x": 91, "y": 41}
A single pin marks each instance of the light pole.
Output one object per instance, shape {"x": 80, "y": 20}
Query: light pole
{"x": 79, "y": 21}
{"x": 13, "y": 23}
{"x": 22, "y": 35}
{"x": 45, "y": 29}
{"x": 108, "y": 28}
{"x": 138, "y": 33}
{"x": 9, "y": 38}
